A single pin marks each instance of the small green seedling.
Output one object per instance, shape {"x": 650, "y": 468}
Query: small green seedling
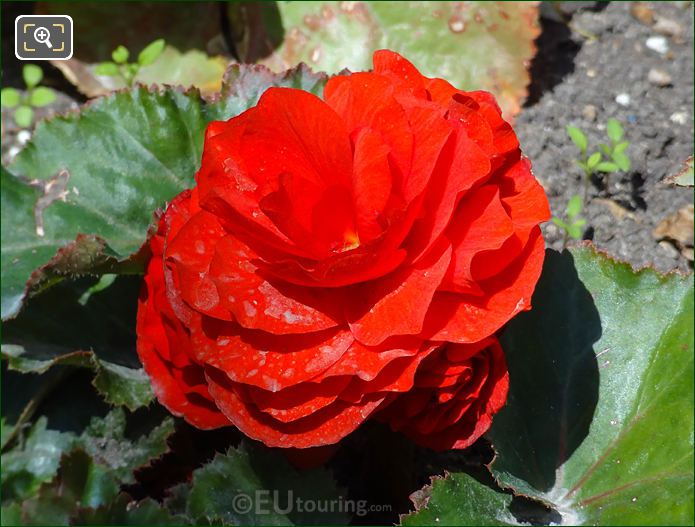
{"x": 120, "y": 67}
{"x": 616, "y": 158}
{"x": 573, "y": 225}
{"x": 34, "y": 97}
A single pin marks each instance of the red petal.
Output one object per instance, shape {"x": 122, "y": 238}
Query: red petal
{"x": 271, "y": 306}
{"x": 189, "y": 254}
{"x": 481, "y": 223}
{"x": 524, "y": 199}
{"x": 397, "y": 305}
{"x": 322, "y": 428}
{"x": 175, "y": 377}
{"x": 396, "y": 68}
{"x": 352, "y": 97}
{"x": 366, "y": 362}
{"x": 465, "y": 318}
{"x": 297, "y": 401}
{"x": 371, "y": 182}
{"x": 271, "y": 362}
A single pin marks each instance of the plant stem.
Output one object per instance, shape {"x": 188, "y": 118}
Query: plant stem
{"x": 35, "y": 402}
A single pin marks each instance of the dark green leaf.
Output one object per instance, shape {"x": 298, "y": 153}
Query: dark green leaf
{"x": 599, "y": 417}
{"x": 109, "y": 200}
{"x": 158, "y": 137}
{"x": 124, "y": 511}
{"x": 458, "y": 499}
{"x": 243, "y": 86}
{"x": 105, "y": 441}
{"x": 33, "y": 462}
{"x": 81, "y": 482}
{"x": 11, "y": 514}
{"x": 56, "y": 330}
{"x": 257, "y": 486}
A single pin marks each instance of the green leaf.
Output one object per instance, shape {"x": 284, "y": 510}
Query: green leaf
{"x": 109, "y": 200}
{"x": 24, "y": 116}
{"x": 486, "y": 45}
{"x": 559, "y": 222}
{"x": 256, "y": 486}
{"x": 574, "y": 206}
{"x": 107, "y": 69}
{"x": 575, "y": 231}
{"x": 614, "y": 130}
{"x": 621, "y": 147}
{"x": 105, "y": 440}
{"x": 244, "y": 85}
{"x": 578, "y": 138}
{"x": 9, "y": 97}
{"x": 33, "y": 462}
{"x": 458, "y": 499}
{"x": 81, "y": 482}
{"x": 12, "y": 514}
{"x": 593, "y": 160}
{"x": 41, "y": 96}
{"x": 599, "y": 420}
{"x": 32, "y": 75}
{"x": 151, "y": 53}
{"x": 120, "y": 55}
{"x": 104, "y": 325}
{"x": 105, "y": 281}
{"x": 124, "y": 511}
{"x": 622, "y": 161}
{"x": 684, "y": 177}
{"x": 607, "y": 166}
{"x": 192, "y": 68}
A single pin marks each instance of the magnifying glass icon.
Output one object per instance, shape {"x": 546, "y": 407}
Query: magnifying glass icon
{"x": 42, "y": 36}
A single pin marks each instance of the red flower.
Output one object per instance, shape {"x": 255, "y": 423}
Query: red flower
{"x": 343, "y": 256}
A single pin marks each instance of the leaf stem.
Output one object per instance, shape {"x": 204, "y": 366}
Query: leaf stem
{"x": 34, "y": 403}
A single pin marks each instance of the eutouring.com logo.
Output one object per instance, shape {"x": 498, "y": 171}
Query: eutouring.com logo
{"x": 264, "y": 502}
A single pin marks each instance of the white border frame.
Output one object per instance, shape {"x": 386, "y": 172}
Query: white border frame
{"x": 16, "y": 40}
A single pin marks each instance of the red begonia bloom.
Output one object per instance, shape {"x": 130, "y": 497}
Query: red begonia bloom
{"x": 342, "y": 258}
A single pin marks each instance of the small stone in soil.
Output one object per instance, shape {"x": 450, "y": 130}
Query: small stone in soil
{"x": 643, "y": 13}
{"x": 623, "y": 99}
{"x": 679, "y": 118}
{"x": 668, "y": 27}
{"x": 589, "y": 112}
{"x": 658, "y": 44}
{"x": 659, "y": 77}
